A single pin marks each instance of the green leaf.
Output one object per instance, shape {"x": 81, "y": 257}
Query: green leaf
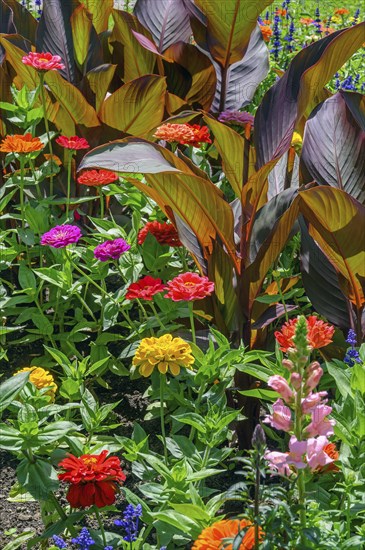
{"x": 192, "y": 419}
{"x": 145, "y": 98}
{"x": 179, "y": 521}
{"x": 266, "y": 395}
{"x": 192, "y": 511}
{"x": 10, "y": 438}
{"x": 55, "y": 431}
{"x": 341, "y": 379}
{"x": 10, "y": 389}
{"x": 19, "y": 540}
{"x": 358, "y": 378}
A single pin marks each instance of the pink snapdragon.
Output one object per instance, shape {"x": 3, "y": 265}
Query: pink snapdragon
{"x": 320, "y": 424}
{"x": 280, "y": 417}
{"x": 280, "y": 385}
{"x": 296, "y": 451}
{"x": 316, "y": 455}
{"x": 312, "y": 400}
{"x": 278, "y": 463}
{"x": 315, "y": 373}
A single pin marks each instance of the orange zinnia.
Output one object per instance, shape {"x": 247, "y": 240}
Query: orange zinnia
{"x": 21, "y": 144}
{"x": 186, "y": 134}
{"x": 266, "y": 32}
{"x": 214, "y": 537}
{"x": 331, "y": 450}
{"x": 341, "y": 11}
{"x": 319, "y": 333}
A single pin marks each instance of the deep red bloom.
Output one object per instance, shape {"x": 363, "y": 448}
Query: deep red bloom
{"x": 145, "y": 288}
{"x": 201, "y": 134}
{"x": 164, "y": 233}
{"x": 188, "y": 287}
{"x": 43, "y": 61}
{"x": 319, "y": 333}
{"x": 72, "y": 142}
{"x": 94, "y": 479}
{"x": 96, "y": 178}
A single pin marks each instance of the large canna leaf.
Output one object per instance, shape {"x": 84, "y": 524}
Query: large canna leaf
{"x": 136, "y": 107}
{"x": 137, "y": 61}
{"x": 167, "y": 21}
{"x": 320, "y": 281}
{"x": 336, "y": 221}
{"x": 100, "y": 12}
{"x": 99, "y": 80}
{"x": 229, "y": 26}
{"x": 81, "y": 25}
{"x": 7, "y": 25}
{"x": 244, "y": 76}
{"x": 285, "y": 103}
{"x": 24, "y": 21}
{"x": 334, "y": 147}
{"x": 54, "y": 34}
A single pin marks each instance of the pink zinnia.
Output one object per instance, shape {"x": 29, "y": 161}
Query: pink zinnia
{"x": 188, "y": 287}
{"x": 61, "y": 236}
{"x": 280, "y": 417}
{"x": 316, "y": 454}
{"x": 320, "y": 425}
{"x": 280, "y": 385}
{"x": 75, "y": 143}
{"x": 43, "y": 61}
{"x": 111, "y": 250}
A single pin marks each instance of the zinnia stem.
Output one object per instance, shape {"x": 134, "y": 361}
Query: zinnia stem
{"x": 43, "y": 99}
{"x": 162, "y": 417}
{"x": 192, "y": 325}
{"x": 100, "y": 522}
{"x": 101, "y": 198}
{"x": 155, "y": 312}
{"x": 69, "y": 155}
{"x": 21, "y": 191}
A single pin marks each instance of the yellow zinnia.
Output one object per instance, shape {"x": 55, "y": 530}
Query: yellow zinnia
{"x": 41, "y": 378}
{"x": 164, "y": 353}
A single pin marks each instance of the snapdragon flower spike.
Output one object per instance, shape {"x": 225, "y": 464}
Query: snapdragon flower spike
{"x": 130, "y": 522}
{"x": 84, "y": 540}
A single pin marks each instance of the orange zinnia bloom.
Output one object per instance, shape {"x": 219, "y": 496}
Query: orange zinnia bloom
{"x": 331, "y": 450}
{"x": 214, "y": 537}
{"x": 281, "y": 12}
{"x": 306, "y": 20}
{"x": 319, "y": 333}
{"x": 341, "y": 11}
{"x": 21, "y": 144}
{"x": 186, "y": 134}
{"x": 266, "y": 32}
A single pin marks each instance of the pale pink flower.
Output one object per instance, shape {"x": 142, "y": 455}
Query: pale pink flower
{"x": 312, "y": 400}
{"x": 296, "y": 451}
{"x": 277, "y": 463}
{"x": 279, "y": 384}
{"x": 314, "y": 378}
{"x": 316, "y": 455}
{"x": 320, "y": 425}
{"x": 280, "y": 417}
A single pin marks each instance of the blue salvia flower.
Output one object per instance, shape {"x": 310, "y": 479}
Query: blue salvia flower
{"x": 59, "y": 542}
{"x": 290, "y": 36}
{"x": 108, "y": 548}
{"x": 317, "y": 21}
{"x": 267, "y": 15}
{"x": 84, "y": 540}
{"x": 276, "y": 41}
{"x": 352, "y": 355}
{"x": 337, "y": 82}
{"x": 130, "y": 522}
{"x": 362, "y": 89}
{"x": 356, "y": 17}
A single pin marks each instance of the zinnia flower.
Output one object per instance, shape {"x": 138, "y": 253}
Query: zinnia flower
{"x": 97, "y": 178}
{"x": 188, "y": 287}
{"x": 43, "y": 61}
{"x": 215, "y": 536}
{"x": 75, "y": 143}
{"x": 21, "y": 144}
{"x": 145, "y": 288}
{"x": 266, "y": 32}
{"x": 319, "y": 333}
{"x": 41, "y": 378}
{"x": 61, "y": 236}
{"x": 93, "y": 479}
{"x": 186, "y": 134}
{"x": 111, "y": 250}
{"x": 165, "y": 353}
{"x": 164, "y": 233}
{"x": 341, "y": 11}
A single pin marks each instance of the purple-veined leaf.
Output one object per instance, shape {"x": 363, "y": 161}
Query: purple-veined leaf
{"x": 24, "y": 21}
{"x": 167, "y": 21}
{"x": 285, "y": 103}
{"x": 272, "y": 314}
{"x": 334, "y": 147}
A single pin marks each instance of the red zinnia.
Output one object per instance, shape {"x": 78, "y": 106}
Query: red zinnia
{"x": 188, "y": 287}
{"x": 319, "y": 333}
{"x": 43, "y": 61}
{"x": 93, "y": 479}
{"x": 164, "y": 233}
{"x": 96, "y": 178}
{"x": 72, "y": 142}
{"x": 145, "y": 288}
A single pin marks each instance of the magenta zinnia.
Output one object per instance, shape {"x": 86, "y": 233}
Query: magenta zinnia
{"x": 111, "y": 250}
{"x": 61, "y": 236}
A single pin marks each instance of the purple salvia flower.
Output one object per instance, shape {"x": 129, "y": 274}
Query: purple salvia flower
{"x": 111, "y": 250}
{"x": 61, "y": 236}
